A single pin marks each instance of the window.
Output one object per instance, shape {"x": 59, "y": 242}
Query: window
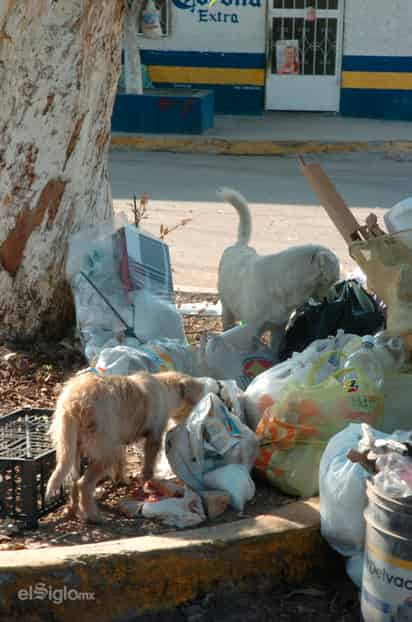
{"x": 164, "y": 8}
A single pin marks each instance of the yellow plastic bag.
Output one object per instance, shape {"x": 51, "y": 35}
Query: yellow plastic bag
{"x": 294, "y": 431}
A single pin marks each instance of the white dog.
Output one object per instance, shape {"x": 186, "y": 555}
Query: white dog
{"x": 264, "y": 290}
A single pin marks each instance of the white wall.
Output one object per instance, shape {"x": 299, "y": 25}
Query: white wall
{"x": 194, "y": 29}
{"x": 378, "y": 27}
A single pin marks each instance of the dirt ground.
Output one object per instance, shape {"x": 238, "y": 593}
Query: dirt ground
{"x": 327, "y": 599}
{"x": 33, "y": 377}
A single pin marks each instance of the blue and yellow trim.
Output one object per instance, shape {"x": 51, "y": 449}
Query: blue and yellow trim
{"x": 377, "y": 86}
{"x": 237, "y": 79}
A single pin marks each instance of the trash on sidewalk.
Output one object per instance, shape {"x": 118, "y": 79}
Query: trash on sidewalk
{"x": 215, "y": 502}
{"x": 398, "y": 219}
{"x": 186, "y": 511}
{"x": 210, "y": 439}
{"x": 236, "y": 354}
{"x": 235, "y": 480}
{"x": 386, "y": 259}
{"x": 303, "y": 402}
{"x": 387, "y": 573}
{"x": 348, "y": 307}
{"x": 342, "y": 485}
{"x": 156, "y": 356}
{"x": 266, "y": 389}
{"x": 122, "y": 285}
{"x": 182, "y": 509}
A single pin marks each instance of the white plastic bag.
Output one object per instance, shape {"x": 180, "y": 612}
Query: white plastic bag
{"x": 236, "y": 354}
{"x": 155, "y": 318}
{"x": 122, "y": 361}
{"x": 177, "y": 512}
{"x": 342, "y": 491}
{"x": 156, "y": 356}
{"x": 209, "y": 439}
{"x": 235, "y": 480}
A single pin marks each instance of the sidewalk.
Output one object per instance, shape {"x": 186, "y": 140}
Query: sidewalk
{"x": 117, "y": 580}
{"x": 280, "y": 133}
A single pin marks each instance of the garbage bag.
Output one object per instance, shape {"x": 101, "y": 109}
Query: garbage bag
{"x": 342, "y": 491}
{"x": 212, "y": 437}
{"x": 266, "y": 388}
{"x": 154, "y": 357}
{"x": 155, "y": 317}
{"x": 235, "y": 480}
{"x": 236, "y": 354}
{"x": 349, "y": 307}
{"x": 295, "y": 429}
{"x": 178, "y": 512}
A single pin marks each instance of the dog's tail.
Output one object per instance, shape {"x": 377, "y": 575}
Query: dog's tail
{"x": 64, "y": 432}
{"x": 240, "y": 204}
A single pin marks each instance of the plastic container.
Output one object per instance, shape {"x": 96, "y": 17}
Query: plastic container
{"x": 387, "y": 572}
{"x": 398, "y": 218}
{"x": 366, "y": 359}
{"x": 151, "y": 26}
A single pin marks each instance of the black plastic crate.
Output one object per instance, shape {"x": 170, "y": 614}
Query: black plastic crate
{"x": 27, "y": 459}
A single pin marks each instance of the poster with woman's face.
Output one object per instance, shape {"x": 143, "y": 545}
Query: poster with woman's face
{"x": 287, "y": 57}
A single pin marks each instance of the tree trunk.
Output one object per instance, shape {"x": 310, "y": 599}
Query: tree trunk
{"x": 59, "y": 67}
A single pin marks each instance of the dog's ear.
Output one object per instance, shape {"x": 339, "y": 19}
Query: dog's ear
{"x": 191, "y": 390}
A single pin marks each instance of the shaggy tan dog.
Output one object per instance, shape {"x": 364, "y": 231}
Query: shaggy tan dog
{"x": 97, "y": 416}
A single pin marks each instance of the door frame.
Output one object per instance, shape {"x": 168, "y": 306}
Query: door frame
{"x": 339, "y": 48}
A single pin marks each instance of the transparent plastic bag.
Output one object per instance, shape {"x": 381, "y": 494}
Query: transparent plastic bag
{"x": 295, "y": 429}
{"x": 266, "y": 388}
{"x": 154, "y": 357}
{"x": 236, "y": 354}
{"x": 342, "y": 491}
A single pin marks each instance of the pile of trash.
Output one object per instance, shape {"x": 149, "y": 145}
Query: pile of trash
{"x": 365, "y": 475}
{"x": 128, "y": 322}
{"x": 291, "y": 418}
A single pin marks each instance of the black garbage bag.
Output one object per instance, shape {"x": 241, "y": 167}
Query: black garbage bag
{"x": 348, "y": 307}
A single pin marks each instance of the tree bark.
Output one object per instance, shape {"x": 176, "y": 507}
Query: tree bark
{"x": 59, "y": 67}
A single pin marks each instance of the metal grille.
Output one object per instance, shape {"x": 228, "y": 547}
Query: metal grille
{"x": 317, "y": 39}
{"x": 27, "y": 460}
{"x": 24, "y": 434}
{"x": 332, "y": 5}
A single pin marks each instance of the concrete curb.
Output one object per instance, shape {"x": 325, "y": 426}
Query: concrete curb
{"x": 220, "y": 146}
{"x": 137, "y": 575}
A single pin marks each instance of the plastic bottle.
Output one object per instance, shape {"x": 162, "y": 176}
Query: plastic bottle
{"x": 151, "y": 26}
{"x": 364, "y": 359}
{"x": 390, "y": 350}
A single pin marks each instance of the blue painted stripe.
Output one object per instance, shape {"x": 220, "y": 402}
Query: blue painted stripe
{"x": 378, "y": 104}
{"x": 203, "y": 59}
{"x": 377, "y": 63}
{"x": 231, "y": 99}
{"x": 375, "y": 602}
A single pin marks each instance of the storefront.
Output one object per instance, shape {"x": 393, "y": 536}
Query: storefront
{"x": 347, "y": 56}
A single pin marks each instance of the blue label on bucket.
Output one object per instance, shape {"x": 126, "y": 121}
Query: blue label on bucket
{"x": 386, "y": 588}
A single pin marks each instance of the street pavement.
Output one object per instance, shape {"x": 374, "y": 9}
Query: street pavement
{"x": 284, "y": 209}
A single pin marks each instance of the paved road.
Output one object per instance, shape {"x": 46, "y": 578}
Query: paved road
{"x": 284, "y": 209}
